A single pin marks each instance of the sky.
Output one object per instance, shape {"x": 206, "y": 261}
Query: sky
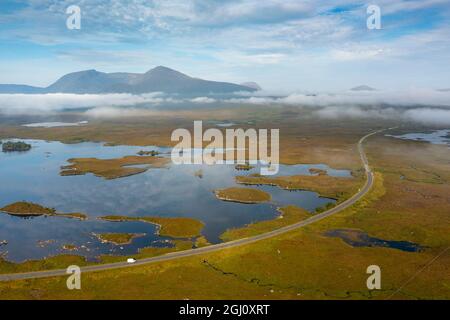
{"x": 283, "y": 45}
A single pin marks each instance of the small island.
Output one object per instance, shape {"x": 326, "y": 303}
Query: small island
{"x": 242, "y": 195}
{"x": 148, "y": 153}
{"x": 70, "y": 247}
{"x": 24, "y": 208}
{"x": 118, "y": 238}
{"x": 112, "y": 168}
{"x": 244, "y": 167}
{"x": 169, "y": 227}
{"x": 317, "y": 171}
{"x": 18, "y": 146}
{"x": 29, "y": 209}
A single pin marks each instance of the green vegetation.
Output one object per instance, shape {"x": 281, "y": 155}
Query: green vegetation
{"x": 324, "y": 208}
{"x": 201, "y": 242}
{"x": 242, "y": 195}
{"x": 76, "y": 215}
{"x": 288, "y": 215}
{"x": 24, "y": 208}
{"x": 331, "y": 187}
{"x": 19, "y": 146}
{"x": 409, "y": 202}
{"x": 70, "y": 247}
{"x": 111, "y": 168}
{"x": 118, "y": 238}
{"x": 148, "y": 153}
{"x": 317, "y": 171}
{"x": 29, "y": 209}
{"x": 169, "y": 227}
{"x": 244, "y": 167}
{"x": 177, "y": 245}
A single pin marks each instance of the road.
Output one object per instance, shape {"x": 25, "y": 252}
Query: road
{"x": 212, "y": 248}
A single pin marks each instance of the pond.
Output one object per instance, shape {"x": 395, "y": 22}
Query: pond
{"x": 357, "y": 238}
{"x": 434, "y": 137}
{"x": 173, "y": 191}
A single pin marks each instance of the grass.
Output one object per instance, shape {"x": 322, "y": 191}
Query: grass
{"x": 27, "y": 209}
{"x": 242, "y": 195}
{"x": 169, "y": 227}
{"x": 331, "y": 187}
{"x": 302, "y": 264}
{"x": 70, "y": 247}
{"x": 317, "y": 171}
{"x": 288, "y": 215}
{"x": 111, "y": 168}
{"x": 75, "y": 215}
{"x": 118, "y": 238}
{"x": 244, "y": 167}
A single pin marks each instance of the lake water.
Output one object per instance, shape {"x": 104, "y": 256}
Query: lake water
{"x": 434, "y": 137}
{"x": 357, "y": 238}
{"x": 174, "y": 191}
{"x": 55, "y": 124}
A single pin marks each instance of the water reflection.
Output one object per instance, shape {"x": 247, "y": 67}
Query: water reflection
{"x": 175, "y": 191}
{"x": 357, "y": 238}
{"x": 435, "y": 137}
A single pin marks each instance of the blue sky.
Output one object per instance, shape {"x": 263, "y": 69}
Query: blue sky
{"x": 289, "y": 45}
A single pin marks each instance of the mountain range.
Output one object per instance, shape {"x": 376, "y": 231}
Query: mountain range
{"x": 363, "y": 88}
{"x": 159, "y": 79}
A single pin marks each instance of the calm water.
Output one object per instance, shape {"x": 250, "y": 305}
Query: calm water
{"x": 435, "y": 137}
{"x": 174, "y": 191}
{"x": 357, "y": 238}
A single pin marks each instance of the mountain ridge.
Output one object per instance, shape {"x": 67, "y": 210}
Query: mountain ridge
{"x": 363, "y": 88}
{"x": 158, "y": 79}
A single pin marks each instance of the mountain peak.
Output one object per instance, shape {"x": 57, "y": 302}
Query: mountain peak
{"x": 363, "y": 88}
{"x": 158, "y": 79}
{"x": 163, "y": 69}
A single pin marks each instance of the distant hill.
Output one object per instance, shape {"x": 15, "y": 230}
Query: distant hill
{"x": 252, "y": 85}
{"x": 363, "y": 88}
{"x": 18, "y": 88}
{"x": 159, "y": 79}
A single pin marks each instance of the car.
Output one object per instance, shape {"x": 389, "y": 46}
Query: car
{"x": 131, "y": 260}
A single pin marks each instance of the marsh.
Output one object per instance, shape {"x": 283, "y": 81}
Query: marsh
{"x": 172, "y": 191}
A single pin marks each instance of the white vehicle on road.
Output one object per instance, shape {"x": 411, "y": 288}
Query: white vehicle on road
{"x": 131, "y": 260}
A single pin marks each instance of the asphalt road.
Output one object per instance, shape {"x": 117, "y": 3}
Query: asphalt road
{"x": 216, "y": 247}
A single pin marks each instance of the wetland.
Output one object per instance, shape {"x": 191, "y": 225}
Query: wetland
{"x": 160, "y": 201}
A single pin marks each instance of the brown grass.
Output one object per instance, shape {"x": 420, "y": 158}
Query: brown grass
{"x": 170, "y": 227}
{"x": 111, "y": 168}
{"x": 242, "y": 195}
{"x": 331, "y": 187}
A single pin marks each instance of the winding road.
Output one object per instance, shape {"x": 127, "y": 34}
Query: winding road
{"x": 212, "y": 248}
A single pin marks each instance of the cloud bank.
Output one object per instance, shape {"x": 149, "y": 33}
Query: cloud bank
{"x": 429, "y": 107}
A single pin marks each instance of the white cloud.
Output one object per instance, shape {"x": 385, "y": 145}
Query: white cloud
{"x": 203, "y": 100}
{"x": 36, "y": 103}
{"x": 116, "y": 112}
{"x": 429, "y": 116}
{"x": 411, "y": 97}
{"x": 356, "y": 54}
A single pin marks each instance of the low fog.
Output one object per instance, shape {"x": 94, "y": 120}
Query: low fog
{"x": 429, "y": 107}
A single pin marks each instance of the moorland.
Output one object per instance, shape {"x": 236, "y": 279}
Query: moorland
{"x": 408, "y": 202}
